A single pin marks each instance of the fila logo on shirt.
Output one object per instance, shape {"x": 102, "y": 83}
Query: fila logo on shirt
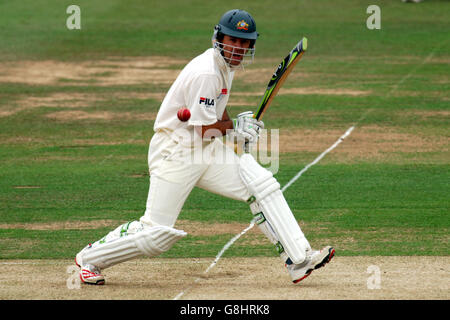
{"x": 206, "y": 101}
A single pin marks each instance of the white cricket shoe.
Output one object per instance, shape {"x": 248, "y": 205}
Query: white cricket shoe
{"x": 89, "y": 274}
{"x": 314, "y": 260}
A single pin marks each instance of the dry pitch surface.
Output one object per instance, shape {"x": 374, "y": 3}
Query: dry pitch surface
{"x": 416, "y": 278}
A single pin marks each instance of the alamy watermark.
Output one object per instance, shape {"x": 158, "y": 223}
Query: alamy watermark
{"x": 374, "y": 20}
{"x": 374, "y": 280}
{"x": 73, "y": 281}
{"x": 73, "y": 22}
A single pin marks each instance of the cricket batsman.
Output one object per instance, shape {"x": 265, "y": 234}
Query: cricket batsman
{"x": 185, "y": 153}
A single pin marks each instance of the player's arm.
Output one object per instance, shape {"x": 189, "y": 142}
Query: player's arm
{"x": 225, "y": 115}
{"x": 219, "y": 128}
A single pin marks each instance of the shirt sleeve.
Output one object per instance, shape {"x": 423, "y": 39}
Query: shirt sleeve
{"x": 201, "y": 99}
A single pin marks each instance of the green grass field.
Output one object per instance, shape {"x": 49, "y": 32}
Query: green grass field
{"x": 73, "y": 149}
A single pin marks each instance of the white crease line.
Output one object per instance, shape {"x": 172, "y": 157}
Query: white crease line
{"x": 298, "y": 175}
{"x": 225, "y": 248}
{"x": 404, "y": 78}
{"x": 219, "y": 255}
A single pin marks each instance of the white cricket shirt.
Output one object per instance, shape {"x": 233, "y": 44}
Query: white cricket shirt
{"x": 203, "y": 86}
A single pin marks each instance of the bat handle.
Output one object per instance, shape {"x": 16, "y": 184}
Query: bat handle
{"x": 246, "y": 146}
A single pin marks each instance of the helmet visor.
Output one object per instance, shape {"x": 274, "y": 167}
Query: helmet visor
{"x": 235, "y": 56}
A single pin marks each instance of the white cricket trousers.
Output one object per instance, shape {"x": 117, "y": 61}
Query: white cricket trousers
{"x": 175, "y": 169}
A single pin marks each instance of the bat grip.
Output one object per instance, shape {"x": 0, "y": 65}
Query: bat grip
{"x": 246, "y": 146}
{"x": 246, "y": 142}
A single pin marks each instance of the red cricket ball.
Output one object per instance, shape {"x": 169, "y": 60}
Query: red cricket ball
{"x": 184, "y": 114}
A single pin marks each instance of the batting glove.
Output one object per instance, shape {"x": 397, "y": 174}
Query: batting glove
{"x": 247, "y": 127}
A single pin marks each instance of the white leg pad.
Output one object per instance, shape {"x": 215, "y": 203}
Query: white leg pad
{"x": 266, "y": 192}
{"x": 127, "y": 242}
{"x": 267, "y": 229}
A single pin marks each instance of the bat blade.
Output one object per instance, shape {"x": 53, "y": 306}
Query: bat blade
{"x": 280, "y": 75}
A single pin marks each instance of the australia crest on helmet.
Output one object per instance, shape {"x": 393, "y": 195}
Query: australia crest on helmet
{"x": 242, "y": 25}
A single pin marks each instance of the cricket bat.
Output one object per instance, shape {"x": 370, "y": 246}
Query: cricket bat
{"x": 280, "y": 75}
{"x": 278, "y": 78}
